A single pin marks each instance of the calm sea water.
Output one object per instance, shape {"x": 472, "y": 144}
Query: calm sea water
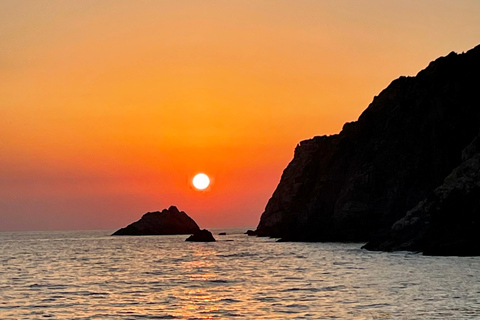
{"x": 91, "y": 275}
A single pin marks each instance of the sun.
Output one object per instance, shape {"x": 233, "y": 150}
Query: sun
{"x": 201, "y": 181}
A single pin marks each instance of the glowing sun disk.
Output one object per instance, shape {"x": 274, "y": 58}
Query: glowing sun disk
{"x": 201, "y": 181}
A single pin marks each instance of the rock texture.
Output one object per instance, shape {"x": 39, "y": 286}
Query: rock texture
{"x": 171, "y": 221}
{"x": 353, "y": 185}
{"x": 447, "y": 222}
{"x": 201, "y": 236}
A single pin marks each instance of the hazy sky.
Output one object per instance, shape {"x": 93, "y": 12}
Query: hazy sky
{"x": 108, "y": 108}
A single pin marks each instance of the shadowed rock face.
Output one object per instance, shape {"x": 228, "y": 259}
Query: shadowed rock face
{"x": 169, "y": 221}
{"x": 447, "y": 222}
{"x": 350, "y": 186}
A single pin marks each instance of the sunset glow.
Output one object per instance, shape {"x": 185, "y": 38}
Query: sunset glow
{"x": 107, "y": 108}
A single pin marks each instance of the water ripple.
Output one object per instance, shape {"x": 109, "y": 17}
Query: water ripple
{"x": 91, "y": 276}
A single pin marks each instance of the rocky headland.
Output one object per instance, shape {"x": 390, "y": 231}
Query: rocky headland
{"x": 165, "y": 222}
{"x": 403, "y": 177}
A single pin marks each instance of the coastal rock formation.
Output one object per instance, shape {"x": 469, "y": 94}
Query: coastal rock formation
{"x": 201, "y": 236}
{"x": 171, "y": 221}
{"x": 447, "y": 222}
{"x": 353, "y": 185}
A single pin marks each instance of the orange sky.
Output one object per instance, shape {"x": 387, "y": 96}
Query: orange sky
{"x": 108, "y": 108}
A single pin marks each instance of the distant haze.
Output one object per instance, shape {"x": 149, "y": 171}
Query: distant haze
{"x": 109, "y": 108}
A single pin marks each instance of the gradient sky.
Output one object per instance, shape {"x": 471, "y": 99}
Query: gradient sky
{"x": 109, "y": 108}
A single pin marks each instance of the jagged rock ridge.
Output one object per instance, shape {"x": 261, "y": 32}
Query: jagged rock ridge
{"x": 171, "y": 221}
{"x": 350, "y": 186}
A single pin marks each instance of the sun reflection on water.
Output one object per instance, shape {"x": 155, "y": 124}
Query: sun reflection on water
{"x": 255, "y": 278}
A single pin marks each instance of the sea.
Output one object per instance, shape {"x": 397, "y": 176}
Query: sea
{"x": 92, "y": 275}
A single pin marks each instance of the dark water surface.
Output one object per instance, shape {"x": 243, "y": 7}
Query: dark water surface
{"x": 91, "y": 275}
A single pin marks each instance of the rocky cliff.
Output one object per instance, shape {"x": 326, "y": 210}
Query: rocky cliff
{"x": 353, "y": 185}
{"x": 447, "y": 222}
{"x": 171, "y": 221}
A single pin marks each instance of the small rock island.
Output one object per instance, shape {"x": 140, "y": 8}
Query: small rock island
{"x": 166, "y": 222}
{"x": 201, "y": 236}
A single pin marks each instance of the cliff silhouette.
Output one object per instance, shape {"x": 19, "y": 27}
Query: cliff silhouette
{"x": 401, "y": 159}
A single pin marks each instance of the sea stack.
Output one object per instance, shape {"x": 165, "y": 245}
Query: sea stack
{"x": 165, "y": 222}
{"x": 405, "y": 175}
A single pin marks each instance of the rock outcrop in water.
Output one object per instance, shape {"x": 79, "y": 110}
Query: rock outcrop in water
{"x": 171, "y": 221}
{"x": 393, "y": 160}
{"x": 201, "y": 236}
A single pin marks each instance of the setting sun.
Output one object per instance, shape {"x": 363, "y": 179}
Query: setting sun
{"x": 201, "y": 181}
